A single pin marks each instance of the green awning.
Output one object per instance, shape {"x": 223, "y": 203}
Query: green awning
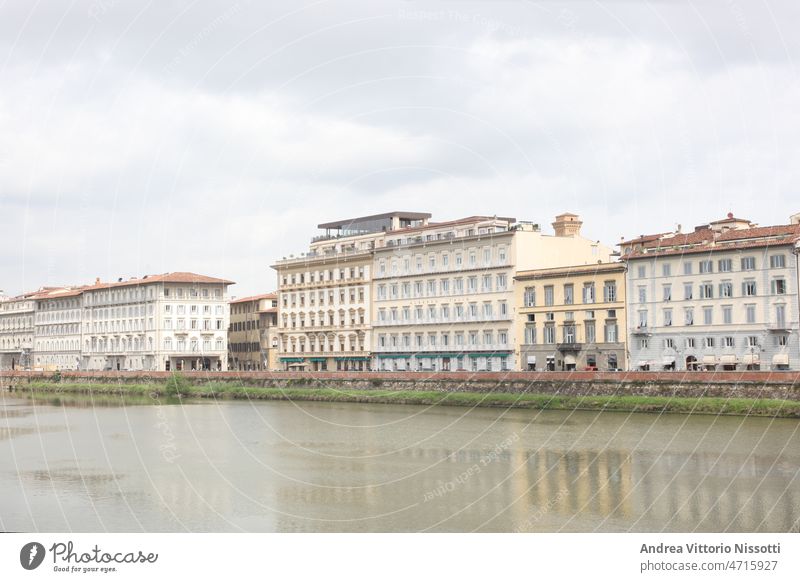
{"x": 491, "y": 355}
{"x": 438, "y": 355}
{"x": 393, "y": 356}
{"x": 317, "y": 359}
{"x": 292, "y": 359}
{"x": 352, "y": 358}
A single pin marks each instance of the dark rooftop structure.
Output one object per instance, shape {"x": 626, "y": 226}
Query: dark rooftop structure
{"x": 385, "y": 222}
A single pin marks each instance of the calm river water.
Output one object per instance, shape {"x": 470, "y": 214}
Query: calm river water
{"x": 85, "y": 465}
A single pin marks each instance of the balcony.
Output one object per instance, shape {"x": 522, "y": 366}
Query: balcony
{"x": 641, "y": 330}
{"x": 569, "y": 347}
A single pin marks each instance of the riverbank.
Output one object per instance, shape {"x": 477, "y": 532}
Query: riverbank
{"x": 619, "y": 403}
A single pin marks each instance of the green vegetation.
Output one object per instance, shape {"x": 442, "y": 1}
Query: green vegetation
{"x": 178, "y": 385}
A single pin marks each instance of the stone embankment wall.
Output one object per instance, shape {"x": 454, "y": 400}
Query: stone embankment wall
{"x": 773, "y": 385}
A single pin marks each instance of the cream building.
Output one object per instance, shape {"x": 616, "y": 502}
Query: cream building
{"x": 324, "y": 296}
{"x": 444, "y": 292}
{"x": 169, "y": 322}
{"x": 58, "y": 329}
{"x": 722, "y": 297}
{"x": 17, "y": 330}
{"x": 252, "y": 334}
{"x": 571, "y": 318}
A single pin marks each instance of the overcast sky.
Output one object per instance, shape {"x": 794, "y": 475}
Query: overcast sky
{"x": 145, "y": 137}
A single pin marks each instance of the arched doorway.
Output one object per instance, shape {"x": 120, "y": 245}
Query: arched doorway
{"x": 691, "y": 363}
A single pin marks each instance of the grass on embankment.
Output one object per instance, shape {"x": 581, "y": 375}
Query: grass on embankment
{"x": 621, "y": 403}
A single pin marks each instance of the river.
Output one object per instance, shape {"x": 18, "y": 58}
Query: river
{"x": 82, "y": 464}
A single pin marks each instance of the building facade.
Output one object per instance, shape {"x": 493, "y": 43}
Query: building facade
{"x": 17, "y": 331}
{"x": 58, "y": 329}
{"x": 252, "y": 334}
{"x": 169, "y": 322}
{"x": 571, "y": 318}
{"x": 444, "y": 292}
{"x": 723, "y": 297}
{"x": 324, "y": 296}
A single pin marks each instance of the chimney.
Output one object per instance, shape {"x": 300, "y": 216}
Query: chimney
{"x": 794, "y": 218}
{"x": 567, "y": 224}
{"x": 97, "y": 280}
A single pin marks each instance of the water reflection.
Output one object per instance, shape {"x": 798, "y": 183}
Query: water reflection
{"x": 277, "y": 466}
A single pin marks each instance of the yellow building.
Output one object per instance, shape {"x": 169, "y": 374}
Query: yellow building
{"x": 571, "y": 318}
{"x": 253, "y": 333}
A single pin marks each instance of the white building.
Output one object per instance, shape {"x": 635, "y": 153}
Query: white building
{"x": 324, "y": 296}
{"x": 444, "y": 292}
{"x": 175, "y": 321}
{"x": 57, "y": 330}
{"x": 723, "y": 297}
{"x": 16, "y": 330}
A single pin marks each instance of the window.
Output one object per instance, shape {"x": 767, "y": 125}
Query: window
{"x": 752, "y": 341}
{"x": 590, "y": 332}
{"x": 748, "y": 263}
{"x": 667, "y": 289}
{"x": 549, "y": 334}
{"x": 708, "y": 342}
{"x": 431, "y": 287}
{"x": 501, "y": 282}
{"x": 750, "y": 313}
{"x": 610, "y": 332}
{"x": 641, "y": 271}
{"x": 708, "y": 315}
{"x": 644, "y": 343}
{"x": 725, "y": 265}
{"x": 487, "y": 283}
{"x": 548, "y": 295}
{"x": 687, "y": 268}
{"x": 667, "y": 317}
{"x": 609, "y": 291}
{"x": 726, "y": 289}
{"x": 666, "y": 270}
{"x": 530, "y": 297}
{"x": 777, "y": 261}
{"x": 780, "y": 316}
{"x": 727, "y": 314}
{"x": 669, "y": 342}
{"x": 706, "y": 291}
{"x": 688, "y": 316}
{"x": 781, "y": 340}
{"x": 706, "y": 266}
{"x": 569, "y": 294}
{"x": 749, "y": 288}
{"x": 643, "y": 318}
{"x": 687, "y": 290}
{"x": 444, "y": 286}
{"x": 689, "y": 342}
{"x": 642, "y": 294}
{"x": 728, "y": 342}
{"x": 530, "y": 334}
{"x": 588, "y": 292}
{"x": 779, "y": 286}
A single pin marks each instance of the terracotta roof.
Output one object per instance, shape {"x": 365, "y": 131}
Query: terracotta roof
{"x": 256, "y": 298}
{"x": 706, "y": 240}
{"x": 177, "y": 277}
